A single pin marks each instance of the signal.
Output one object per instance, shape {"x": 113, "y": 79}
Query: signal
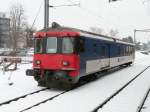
{"x": 113, "y": 0}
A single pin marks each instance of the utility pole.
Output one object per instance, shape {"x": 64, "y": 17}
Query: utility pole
{"x": 46, "y": 15}
{"x": 113, "y": 0}
{"x": 134, "y": 36}
{"x": 144, "y": 30}
{"x": 46, "y": 12}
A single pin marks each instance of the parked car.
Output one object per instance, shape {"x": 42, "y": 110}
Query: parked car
{"x": 21, "y": 51}
{"x": 30, "y": 52}
{"x": 145, "y": 52}
{"x": 6, "y": 52}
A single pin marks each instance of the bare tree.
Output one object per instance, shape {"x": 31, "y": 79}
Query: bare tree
{"x": 96, "y": 30}
{"x": 128, "y": 39}
{"x": 29, "y": 35}
{"x": 17, "y": 24}
{"x": 113, "y": 32}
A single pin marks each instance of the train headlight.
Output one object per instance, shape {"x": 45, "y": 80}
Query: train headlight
{"x": 37, "y": 62}
{"x": 65, "y": 63}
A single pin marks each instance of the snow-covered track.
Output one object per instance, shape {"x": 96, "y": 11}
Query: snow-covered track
{"x": 44, "y": 101}
{"x": 29, "y": 101}
{"x": 139, "y": 109}
{"x": 118, "y": 91}
{"x": 23, "y": 96}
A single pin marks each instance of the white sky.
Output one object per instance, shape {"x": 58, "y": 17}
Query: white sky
{"x": 124, "y": 15}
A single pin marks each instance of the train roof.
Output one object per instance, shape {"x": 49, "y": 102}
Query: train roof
{"x": 77, "y": 32}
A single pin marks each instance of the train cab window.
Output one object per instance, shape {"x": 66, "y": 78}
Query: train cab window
{"x": 80, "y": 45}
{"x": 38, "y": 45}
{"x": 51, "y": 45}
{"x": 68, "y": 45}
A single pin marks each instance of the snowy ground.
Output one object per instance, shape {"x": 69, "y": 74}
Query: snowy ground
{"x": 84, "y": 98}
{"x": 130, "y": 98}
{"x": 21, "y": 83}
{"x": 147, "y": 105}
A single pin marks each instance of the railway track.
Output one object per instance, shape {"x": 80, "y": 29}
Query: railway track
{"x": 29, "y": 97}
{"x": 41, "y": 102}
{"x": 28, "y": 101}
{"x": 141, "y": 106}
{"x": 53, "y": 97}
{"x": 118, "y": 91}
{"x": 15, "y": 102}
{"x": 23, "y": 96}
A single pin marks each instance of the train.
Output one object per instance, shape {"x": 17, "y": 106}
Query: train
{"x": 64, "y": 55}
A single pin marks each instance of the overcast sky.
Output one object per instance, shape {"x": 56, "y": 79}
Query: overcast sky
{"x": 124, "y": 15}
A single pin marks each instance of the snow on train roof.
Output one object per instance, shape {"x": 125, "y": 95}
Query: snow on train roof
{"x": 87, "y": 34}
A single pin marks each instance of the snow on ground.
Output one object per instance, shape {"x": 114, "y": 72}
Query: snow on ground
{"x": 89, "y": 96}
{"x": 131, "y": 97}
{"x": 23, "y": 103}
{"x": 21, "y": 83}
{"x": 139, "y": 56}
{"x": 82, "y": 99}
{"x": 147, "y": 105}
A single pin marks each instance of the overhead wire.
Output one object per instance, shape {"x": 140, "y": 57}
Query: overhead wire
{"x": 145, "y": 1}
{"x": 98, "y": 16}
{"x": 92, "y": 13}
{"x": 38, "y": 12}
{"x": 89, "y": 11}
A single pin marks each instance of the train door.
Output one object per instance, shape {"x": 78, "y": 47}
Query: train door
{"x": 105, "y": 56}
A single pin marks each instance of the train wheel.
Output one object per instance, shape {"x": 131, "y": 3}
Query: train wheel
{"x": 36, "y": 77}
{"x": 129, "y": 64}
{"x": 69, "y": 86}
{"x": 41, "y": 83}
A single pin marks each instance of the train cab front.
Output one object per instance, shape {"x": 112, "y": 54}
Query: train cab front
{"x": 55, "y": 59}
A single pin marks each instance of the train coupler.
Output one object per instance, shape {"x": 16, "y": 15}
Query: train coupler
{"x": 30, "y": 72}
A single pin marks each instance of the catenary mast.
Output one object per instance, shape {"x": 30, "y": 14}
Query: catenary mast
{"x": 46, "y": 15}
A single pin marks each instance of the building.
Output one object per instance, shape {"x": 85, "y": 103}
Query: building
{"x": 4, "y": 30}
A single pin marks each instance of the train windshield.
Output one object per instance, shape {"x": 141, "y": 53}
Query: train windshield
{"x": 67, "y": 45}
{"x": 54, "y": 45}
{"x": 51, "y": 45}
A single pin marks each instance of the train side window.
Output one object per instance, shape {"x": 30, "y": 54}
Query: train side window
{"x": 103, "y": 51}
{"x": 127, "y": 50}
{"x": 130, "y": 51}
{"x": 94, "y": 47}
{"x": 124, "y": 51}
{"x": 119, "y": 50}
